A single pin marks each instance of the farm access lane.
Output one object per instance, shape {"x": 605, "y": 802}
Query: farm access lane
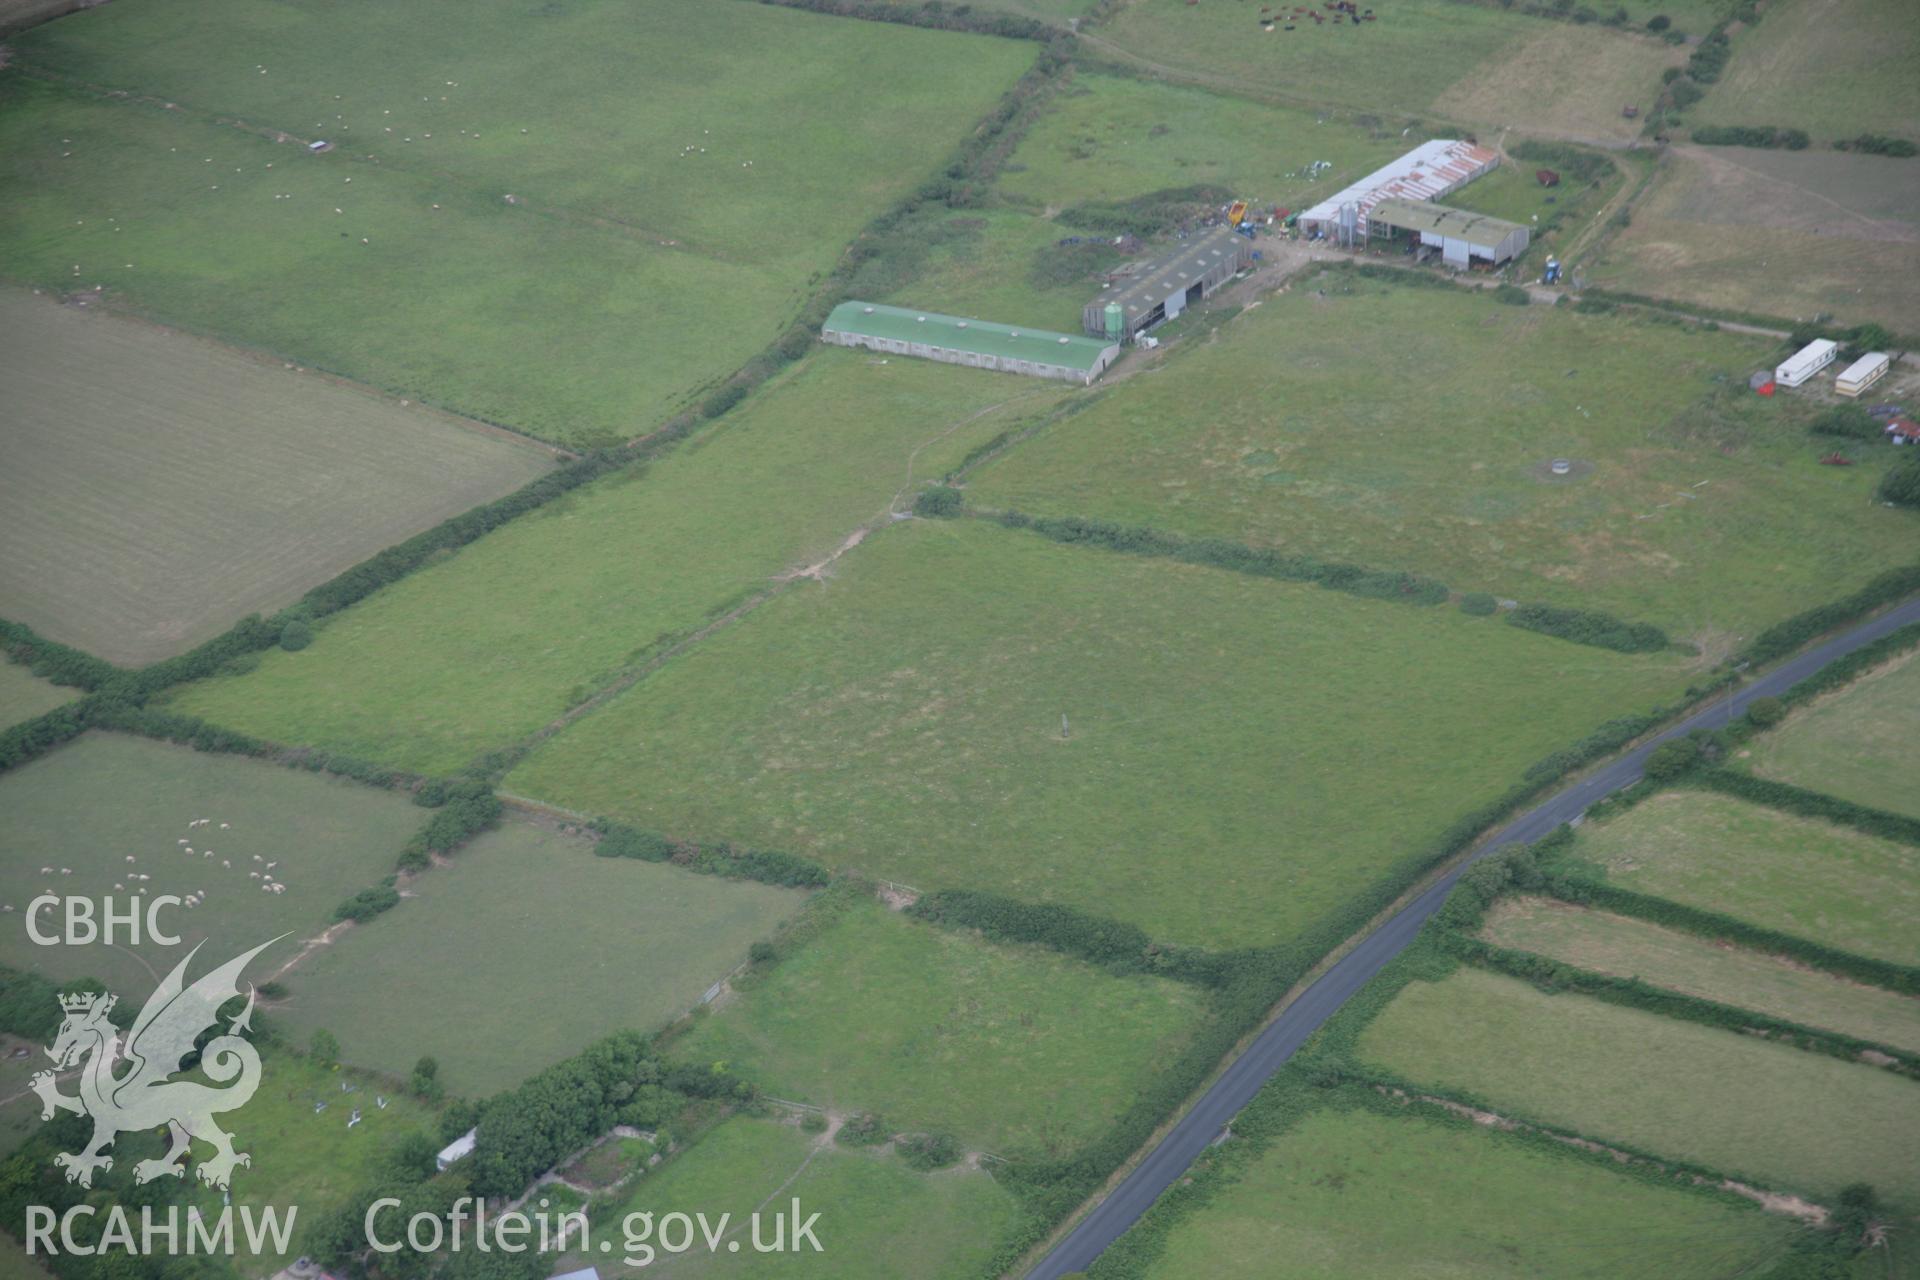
{"x": 1236, "y": 1086}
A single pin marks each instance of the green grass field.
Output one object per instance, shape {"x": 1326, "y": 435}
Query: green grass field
{"x": 1109, "y": 137}
{"x": 110, "y": 807}
{"x": 311, "y": 1158}
{"x": 1831, "y": 68}
{"x": 543, "y": 311}
{"x": 1354, "y": 1193}
{"x": 1461, "y": 62}
{"x": 904, "y": 718}
{"x": 1367, "y": 427}
{"x": 1777, "y": 233}
{"x": 878, "y": 1218}
{"x": 161, "y": 487}
{"x": 495, "y": 642}
{"x": 522, "y": 951}
{"x": 1856, "y": 744}
{"x": 1794, "y": 1120}
{"x": 1013, "y": 1049}
{"x": 1824, "y": 883}
{"x": 24, "y": 695}
{"x": 1630, "y": 948}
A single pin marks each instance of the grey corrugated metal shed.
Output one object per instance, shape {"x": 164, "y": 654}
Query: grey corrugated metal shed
{"x": 1459, "y": 233}
{"x": 1164, "y": 287}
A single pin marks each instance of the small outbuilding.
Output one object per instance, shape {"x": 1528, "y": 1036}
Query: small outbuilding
{"x": 982, "y": 344}
{"x": 1167, "y": 285}
{"x": 1462, "y": 237}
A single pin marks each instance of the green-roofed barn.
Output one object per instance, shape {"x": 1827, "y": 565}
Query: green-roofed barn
{"x": 982, "y": 344}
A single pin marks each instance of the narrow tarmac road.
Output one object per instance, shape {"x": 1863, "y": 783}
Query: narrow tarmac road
{"x": 1137, "y": 1192}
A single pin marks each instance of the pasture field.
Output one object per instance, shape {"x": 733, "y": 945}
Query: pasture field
{"x": 1856, "y": 744}
{"x": 1835, "y": 68}
{"x": 879, "y": 1219}
{"x": 905, "y": 718}
{"x": 568, "y": 207}
{"x": 1779, "y": 233}
{"x": 159, "y": 487}
{"x": 1423, "y": 57}
{"x": 1351, "y": 1192}
{"x": 1628, "y": 948}
{"x": 24, "y": 695}
{"x": 1110, "y": 137}
{"x": 311, "y": 1158}
{"x": 1825, "y": 883}
{"x": 1015, "y": 1049}
{"x": 522, "y": 951}
{"x": 1364, "y": 427}
{"x": 110, "y": 806}
{"x": 1564, "y": 81}
{"x": 1672, "y": 1088}
{"x": 498, "y": 640}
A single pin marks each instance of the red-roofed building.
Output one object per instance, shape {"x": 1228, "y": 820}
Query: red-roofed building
{"x": 1904, "y": 431}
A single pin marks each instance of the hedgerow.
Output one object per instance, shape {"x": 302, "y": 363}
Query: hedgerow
{"x": 713, "y": 857}
{"x": 52, "y": 661}
{"x": 1783, "y": 638}
{"x": 1877, "y": 144}
{"x": 1767, "y": 136}
{"x": 1810, "y": 804}
{"x": 368, "y": 903}
{"x": 468, "y": 808}
{"x": 1590, "y": 627}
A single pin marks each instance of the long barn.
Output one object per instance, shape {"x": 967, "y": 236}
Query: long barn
{"x": 1167, "y": 286}
{"x": 981, "y": 344}
{"x": 1428, "y": 172}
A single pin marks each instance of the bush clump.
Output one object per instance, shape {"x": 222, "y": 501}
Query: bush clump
{"x": 1672, "y": 759}
{"x": 1848, "y": 421}
{"x": 942, "y": 502}
{"x": 1767, "y": 136}
{"x": 296, "y": 635}
{"x": 1764, "y": 713}
{"x": 1590, "y": 626}
{"x": 929, "y": 1151}
{"x": 1512, "y": 295}
{"x": 1878, "y": 144}
{"x": 368, "y": 903}
{"x": 1478, "y": 604}
{"x": 1900, "y": 487}
{"x": 862, "y": 1129}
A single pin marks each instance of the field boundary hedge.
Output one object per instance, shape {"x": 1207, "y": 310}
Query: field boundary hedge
{"x": 710, "y": 857}
{"x": 1576, "y": 626}
{"x": 931, "y": 14}
{"x": 52, "y": 661}
{"x": 1557, "y": 976}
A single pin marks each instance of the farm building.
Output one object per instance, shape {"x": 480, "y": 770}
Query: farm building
{"x": 1461, "y": 237}
{"x": 1904, "y": 431}
{"x": 1806, "y": 362}
{"x": 1862, "y": 373}
{"x": 1428, "y": 172}
{"x": 1167, "y": 286}
{"x": 980, "y": 343}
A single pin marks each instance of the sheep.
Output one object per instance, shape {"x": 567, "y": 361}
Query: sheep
{"x": 117, "y": 886}
{"x": 225, "y": 825}
{"x": 46, "y": 871}
{"x": 253, "y": 875}
{"x": 258, "y": 858}
{"x": 225, "y": 863}
{"x": 129, "y": 857}
{"x": 66, "y": 871}
{"x": 183, "y": 840}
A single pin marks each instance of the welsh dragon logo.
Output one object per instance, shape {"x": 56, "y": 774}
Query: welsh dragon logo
{"x": 141, "y": 1096}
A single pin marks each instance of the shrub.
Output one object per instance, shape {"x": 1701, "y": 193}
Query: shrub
{"x": 1901, "y": 485}
{"x": 1751, "y": 136}
{"x": 1512, "y": 295}
{"x": 1877, "y": 144}
{"x": 296, "y": 635}
{"x": 813, "y": 1122}
{"x": 324, "y": 1047}
{"x": 1764, "y": 713}
{"x": 929, "y": 1151}
{"x": 940, "y": 502}
{"x": 1848, "y": 421}
{"x": 368, "y": 903}
{"x": 762, "y": 953}
{"x": 1590, "y": 626}
{"x": 862, "y": 1129}
{"x": 1067, "y": 929}
{"x": 1659, "y": 22}
{"x": 1672, "y": 759}
{"x": 1479, "y": 604}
